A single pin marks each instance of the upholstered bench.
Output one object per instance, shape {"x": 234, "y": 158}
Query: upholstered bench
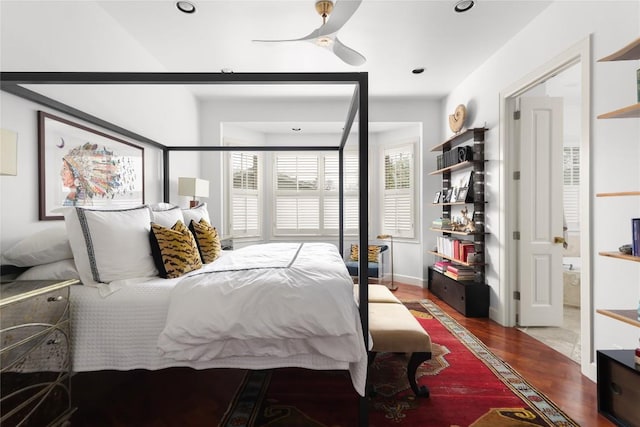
{"x": 395, "y": 330}
{"x": 377, "y": 293}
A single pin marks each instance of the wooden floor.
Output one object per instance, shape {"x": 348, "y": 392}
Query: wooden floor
{"x": 554, "y": 374}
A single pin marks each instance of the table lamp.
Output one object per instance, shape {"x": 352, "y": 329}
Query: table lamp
{"x": 193, "y": 187}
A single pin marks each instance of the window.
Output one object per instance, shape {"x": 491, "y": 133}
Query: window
{"x": 244, "y": 194}
{"x": 399, "y": 192}
{"x": 306, "y": 193}
{"x": 571, "y": 196}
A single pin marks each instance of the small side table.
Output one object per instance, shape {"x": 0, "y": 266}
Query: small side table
{"x": 35, "y": 353}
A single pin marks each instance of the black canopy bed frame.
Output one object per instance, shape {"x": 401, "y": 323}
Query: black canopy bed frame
{"x": 12, "y": 82}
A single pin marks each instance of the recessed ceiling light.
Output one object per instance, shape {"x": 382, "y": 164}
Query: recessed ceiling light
{"x": 464, "y": 5}
{"x": 296, "y": 129}
{"x": 419, "y": 70}
{"x": 185, "y": 6}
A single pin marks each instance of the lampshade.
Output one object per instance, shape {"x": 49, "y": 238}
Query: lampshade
{"x": 193, "y": 187}
{"x": 8, "y": 152}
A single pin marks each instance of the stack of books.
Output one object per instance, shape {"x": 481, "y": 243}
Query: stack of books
{"x": 460, "y": 272}
{"x": 442, "y": 266}
{"x": 441, "y": 223}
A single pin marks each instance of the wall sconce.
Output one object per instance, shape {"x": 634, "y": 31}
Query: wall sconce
{"x": 193, "y": 187}
{"x": 8, "y": 152}
{"x": 390, "y": 238}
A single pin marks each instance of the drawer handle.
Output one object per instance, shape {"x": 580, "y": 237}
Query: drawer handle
{"x": 615, "y": 389}
{"x": 54, "y": 299}
{"x": 53, "y": 341}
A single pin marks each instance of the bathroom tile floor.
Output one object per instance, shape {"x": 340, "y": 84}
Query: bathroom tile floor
{"x": 565, "y": 339}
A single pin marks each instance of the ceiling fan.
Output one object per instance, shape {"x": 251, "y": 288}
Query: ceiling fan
{"x": 326, "y": 35}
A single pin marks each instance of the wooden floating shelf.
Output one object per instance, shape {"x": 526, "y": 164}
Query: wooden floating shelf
{"x": 458, "y": 138}
{"x": 457, "y": 166}
{"x": 457, "y": 261}
{"x": 620, "y": 255}
{"x": 629, "y": 52}
{"x": 619, "y": 193}
{"x": 459, "y": 233}
{"x": 623, "y": 113}
{"x": 626, "y": 316}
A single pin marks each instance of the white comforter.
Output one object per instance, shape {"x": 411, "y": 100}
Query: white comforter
{"x": 276, "y": 299}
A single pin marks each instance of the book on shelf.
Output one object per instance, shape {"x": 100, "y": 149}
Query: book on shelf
{"x": 635, "y": 236}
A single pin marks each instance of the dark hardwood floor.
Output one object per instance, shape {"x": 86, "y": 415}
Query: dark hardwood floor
{"x": 554, "y": 374}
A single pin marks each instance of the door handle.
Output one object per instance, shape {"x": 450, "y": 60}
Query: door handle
{"x": 557, "y": 239}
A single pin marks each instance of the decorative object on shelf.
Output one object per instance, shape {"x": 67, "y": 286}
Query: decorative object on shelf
{"x": 390, "y": 238}
{"x": 637, "y": 355}
{"x": 80, "y": 166}
{"x": 193, "y": 187}
{"x": 469, "y": 226}
{"x": 456, "y": 120}
{"x": 436, "y": 199}
{"x": 8, "y": 152}
{"x": 625, "y": 249}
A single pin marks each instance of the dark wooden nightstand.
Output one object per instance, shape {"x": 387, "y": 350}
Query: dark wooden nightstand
{"x": 35, "y": 353}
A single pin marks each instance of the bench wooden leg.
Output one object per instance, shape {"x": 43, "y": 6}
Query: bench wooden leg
{"x": 415, "y": 361}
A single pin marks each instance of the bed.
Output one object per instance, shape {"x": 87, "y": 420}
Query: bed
{"x": 123, "y": 325}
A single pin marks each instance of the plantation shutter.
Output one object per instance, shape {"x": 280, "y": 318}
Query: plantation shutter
{"x": 245, "y": 201}
{"x": 571, "y": 196}
{"x": 297, "y": 199}
{"x": 398, "y": 194}
{"x": 331, "y": 181}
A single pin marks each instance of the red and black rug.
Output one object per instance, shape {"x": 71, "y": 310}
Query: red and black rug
{"x": 469, "y": 386}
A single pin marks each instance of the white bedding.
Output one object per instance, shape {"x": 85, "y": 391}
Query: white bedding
{"x": 122, "y": 331}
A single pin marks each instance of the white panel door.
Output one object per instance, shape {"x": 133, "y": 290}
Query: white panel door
{"x": 540, "y": 205}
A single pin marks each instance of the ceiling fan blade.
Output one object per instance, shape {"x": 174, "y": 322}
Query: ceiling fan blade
{"x": 342, "y": 12}
{"x": 347, "y": 54}
{"x": 311, "y": 36}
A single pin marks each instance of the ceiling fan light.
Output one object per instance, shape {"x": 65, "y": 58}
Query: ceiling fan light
{"x": 324, "y": 41}
{"x": 464, "y": 5}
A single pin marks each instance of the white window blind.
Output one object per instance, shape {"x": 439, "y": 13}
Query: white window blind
{"x": 399, "y": 192}
{"x": 245, "y": 197}
{"x": 571, "y": 195}
{"x": 306, "y": 194}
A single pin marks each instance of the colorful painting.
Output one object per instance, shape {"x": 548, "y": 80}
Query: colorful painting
{"x": 80, "y": 166}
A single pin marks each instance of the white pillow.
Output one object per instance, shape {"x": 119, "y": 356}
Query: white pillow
{"x": 59, "y": 270}
{"x": 196, "y": 214}
{"x": 42, "y": 247}
{"x": 166, "y": 217}
{"x": 110, "y": 245}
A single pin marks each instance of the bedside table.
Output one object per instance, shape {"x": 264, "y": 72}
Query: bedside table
{"x": 35, "y": 353}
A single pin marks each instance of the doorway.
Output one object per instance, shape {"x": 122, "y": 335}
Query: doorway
{"x": 564, "y": 335}
{"x": 566, "y": 77}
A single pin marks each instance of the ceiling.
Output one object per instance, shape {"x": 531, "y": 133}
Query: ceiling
{"x": 396, "y": 36}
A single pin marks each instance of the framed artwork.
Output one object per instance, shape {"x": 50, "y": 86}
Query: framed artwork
{"x": 447, "y": 196}
{"x": 462, "y": 194}
{"x": 79, "y": 166}
{"x": 436, "y": 199}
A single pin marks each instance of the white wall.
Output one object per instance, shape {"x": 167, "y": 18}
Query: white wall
{"x": 615, "y": 151}
{"x": 48, "y": 37}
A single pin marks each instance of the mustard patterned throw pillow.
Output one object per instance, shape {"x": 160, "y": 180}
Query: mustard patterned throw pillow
{"x": 372, "y": 255}
{"x": 174, "y": 250}
{"x": 207, "y": 239}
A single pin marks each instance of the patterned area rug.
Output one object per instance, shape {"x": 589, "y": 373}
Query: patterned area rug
{"x": 469, "y": 386}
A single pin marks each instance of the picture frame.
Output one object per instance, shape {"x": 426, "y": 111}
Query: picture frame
{"x": 80, "y": 166}
{"x": 462, "y": 194}
{"x": 447, "y": 196}
{"x": 436, "y": 199}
